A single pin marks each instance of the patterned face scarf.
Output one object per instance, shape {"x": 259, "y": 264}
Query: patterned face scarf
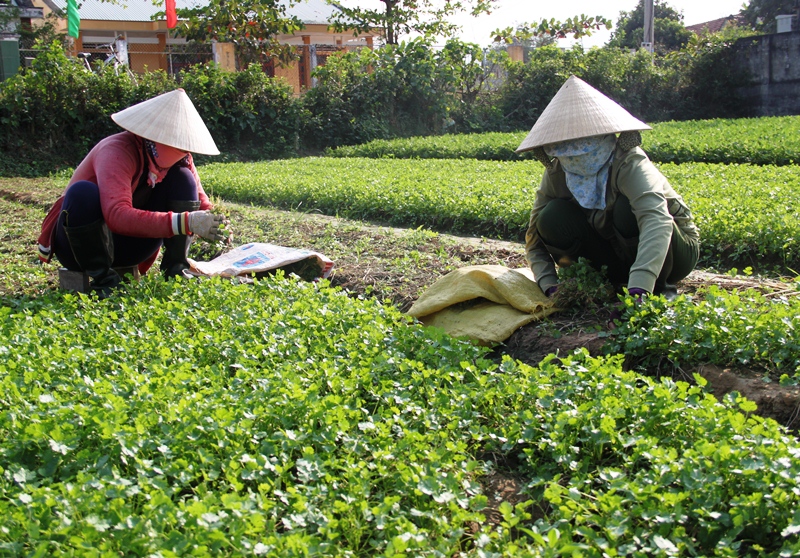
{"x": 586, "y": 163}
{"x": 160, "y": 159}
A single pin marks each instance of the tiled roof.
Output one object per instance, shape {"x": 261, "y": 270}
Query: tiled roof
{"x": 716, "y": 25}
{"x": 307, "y": 11}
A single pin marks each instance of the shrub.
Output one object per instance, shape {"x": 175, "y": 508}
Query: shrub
{"x": 528, "y": 87}
{"x": 348, "y": 105}
{"x": 711, "y": 75}
{"x": 249, "y": 114}
{"x": 55, "y": 111}
{"x": 396, "y": 91}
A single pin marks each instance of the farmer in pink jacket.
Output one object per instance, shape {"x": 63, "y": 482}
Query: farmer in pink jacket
{"x": 134, "y": 192}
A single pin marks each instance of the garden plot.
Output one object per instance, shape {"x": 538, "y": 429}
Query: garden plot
{"x": 285, "y": 416}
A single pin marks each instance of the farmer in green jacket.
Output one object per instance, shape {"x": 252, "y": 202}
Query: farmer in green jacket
{"x": 602, "y": 199}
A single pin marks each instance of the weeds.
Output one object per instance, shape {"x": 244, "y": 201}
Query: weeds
{"x": 583, "y": 288}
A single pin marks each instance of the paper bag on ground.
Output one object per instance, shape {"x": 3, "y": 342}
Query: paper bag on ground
{"x": 259, "y": 257}
{"x": 485, "y": 303}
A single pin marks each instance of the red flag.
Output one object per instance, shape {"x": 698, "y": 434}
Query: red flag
{"x": 172, "y": 17}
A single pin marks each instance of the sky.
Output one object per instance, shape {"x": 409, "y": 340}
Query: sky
{"x": 510, "y": 13}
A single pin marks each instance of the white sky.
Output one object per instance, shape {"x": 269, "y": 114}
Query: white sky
{"x": 509, "y": 13}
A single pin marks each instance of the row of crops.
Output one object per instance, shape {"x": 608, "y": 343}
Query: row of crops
{"x": 758, "y": 141}
{"x": 287, "y": 419}
{"x": 748, "y": 215}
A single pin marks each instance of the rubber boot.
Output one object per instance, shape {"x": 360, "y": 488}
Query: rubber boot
{"x": 174, "y": 262}
{"x": 93, "y": 248}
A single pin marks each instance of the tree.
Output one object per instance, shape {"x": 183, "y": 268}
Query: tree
{"x": 668, "y": 29}
{"x": 252, "y": 25}
{"x": 760, "y": 14}
{"x": 428, "y": 18}
{"x": 547, "y": 31}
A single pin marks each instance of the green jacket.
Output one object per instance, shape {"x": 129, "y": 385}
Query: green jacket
{"x": 653, "y": 201}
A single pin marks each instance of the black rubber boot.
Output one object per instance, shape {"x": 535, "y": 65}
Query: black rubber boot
{"x": 93, "y": 248}
{"x": 176, "y": 248}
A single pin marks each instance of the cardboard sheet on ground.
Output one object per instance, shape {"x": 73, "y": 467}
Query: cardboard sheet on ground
{"x": 486, "y": 303}
{"x": 258, "y": 257}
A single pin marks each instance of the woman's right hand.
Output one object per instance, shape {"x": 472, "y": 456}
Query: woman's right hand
{"x": 206, "y": 224}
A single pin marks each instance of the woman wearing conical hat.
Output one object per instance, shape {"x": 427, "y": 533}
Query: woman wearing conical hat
{"x": 602, "y": 199}
{"x": 134, "y": 192}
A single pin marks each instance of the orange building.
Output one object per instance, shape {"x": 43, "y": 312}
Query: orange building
{"x": 146, "y": 44}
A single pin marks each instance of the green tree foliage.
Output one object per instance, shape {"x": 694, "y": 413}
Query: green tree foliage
{"x": 56, "y": 110}
{"x": 710, "y": 75}
{"x": 396, "y": 18}
{"x": 399, "y": 90}
{"x": 760, "y": 14}
{"x": 668, "y": 29}
{"x": 528, "y": 87}
{"x": 252, "y": 25}
{"x": 648, "y": 86}
{"x": 547, "y": 31}
{"x": 250, "y": 115}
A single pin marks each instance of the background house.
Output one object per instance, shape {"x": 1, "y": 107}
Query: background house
{"x": 14, "y": 14}
{"x": 146, "y": 44}
{"x": 717, "y": 25}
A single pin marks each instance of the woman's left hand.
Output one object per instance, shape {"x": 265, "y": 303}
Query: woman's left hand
{"x": 616, "y": 313}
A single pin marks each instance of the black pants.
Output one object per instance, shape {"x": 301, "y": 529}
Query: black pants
{"x": 82, "y": 207}
{"x": 565, "y": 230}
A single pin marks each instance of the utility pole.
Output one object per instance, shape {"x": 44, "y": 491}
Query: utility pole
{"x": 647, "y": 37}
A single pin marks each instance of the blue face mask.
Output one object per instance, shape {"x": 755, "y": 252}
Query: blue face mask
{"x": 586, "y": 163}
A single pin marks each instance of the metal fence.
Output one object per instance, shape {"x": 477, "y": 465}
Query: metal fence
{"x": 140, "y": 57}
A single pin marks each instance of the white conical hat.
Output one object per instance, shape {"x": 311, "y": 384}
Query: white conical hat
{"x": 170, "y": 119}
{"x": 579, "y": 110}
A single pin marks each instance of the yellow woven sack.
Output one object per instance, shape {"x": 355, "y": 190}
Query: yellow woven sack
{"x": 485, "y": 303}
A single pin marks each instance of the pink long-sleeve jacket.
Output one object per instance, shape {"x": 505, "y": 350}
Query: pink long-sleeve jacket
{"x": 116, "y": 165}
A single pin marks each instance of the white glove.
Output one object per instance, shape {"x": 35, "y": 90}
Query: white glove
{"x": 206, "y": 225}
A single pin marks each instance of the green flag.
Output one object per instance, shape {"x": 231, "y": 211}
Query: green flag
{"x": 73, "y": 19}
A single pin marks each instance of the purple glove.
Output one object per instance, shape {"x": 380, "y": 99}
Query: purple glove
{"x": 551, "y": 291}
{"x": 638, "y": 293}
{"x": 616, "y": 313}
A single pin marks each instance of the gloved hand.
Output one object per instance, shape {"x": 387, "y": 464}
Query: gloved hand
{"x": 205, "y": 224}
{"x": 616, "y": 313}
{"x": 638, "y": 293}
{"x": 551, "y": 291}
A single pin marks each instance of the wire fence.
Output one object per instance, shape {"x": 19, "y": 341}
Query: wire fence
{"x": 139, "y": 57}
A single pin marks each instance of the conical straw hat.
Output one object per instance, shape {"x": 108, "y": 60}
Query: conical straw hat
{"x": 579, "y": 110}
{"x": 170, "y": 119}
